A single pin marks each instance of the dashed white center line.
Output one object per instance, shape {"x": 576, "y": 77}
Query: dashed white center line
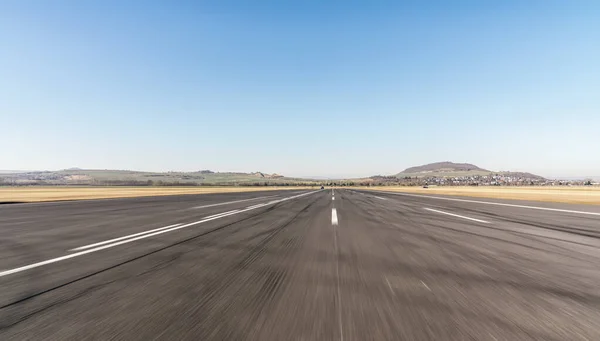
{"x": 379, "y": 197}
{"x": 334, "y": 217}
{"x": 332, "y": 198}
{"x": 336, "y": 249}
{"x": 458, "y": 216}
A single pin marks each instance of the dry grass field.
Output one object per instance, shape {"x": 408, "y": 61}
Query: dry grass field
{"x": 35, "y": 194}
{"x": 573, "y": 195}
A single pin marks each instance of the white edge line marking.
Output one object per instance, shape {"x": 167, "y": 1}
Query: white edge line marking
{"x": 233, "y": 202}
{"x": 121, "y": 238}
{"x": 456, "y": 215}
{"x": 81, "y": 253}
{"x": 257, "y": 206}
{"x": 334, "y": 218}
{"x": 145, "y": 232}
{"x": 497, "y": 204}
{"x": 221, "y": 214}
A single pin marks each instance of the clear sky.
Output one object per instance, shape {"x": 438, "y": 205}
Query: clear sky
{"x": 302, "y": 88}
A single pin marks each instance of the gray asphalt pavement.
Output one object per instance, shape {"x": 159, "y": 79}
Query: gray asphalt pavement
{"x": 300, "y": 265}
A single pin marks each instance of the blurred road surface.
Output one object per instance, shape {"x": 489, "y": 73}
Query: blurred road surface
{"x": 300, "y": 265}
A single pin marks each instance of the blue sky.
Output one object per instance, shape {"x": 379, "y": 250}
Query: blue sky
{"x": 329, "y": 88}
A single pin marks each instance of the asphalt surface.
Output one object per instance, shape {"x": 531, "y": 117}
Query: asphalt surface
{"x": 275, "y": 266}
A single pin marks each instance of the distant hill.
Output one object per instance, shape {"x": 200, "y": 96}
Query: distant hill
{"x": 452, "y": 169}
{"x": 520, "y": 175}
{"x": 77, "y": 176}
{"x": 445, "y": 166}
{"x": 268, "y": 176}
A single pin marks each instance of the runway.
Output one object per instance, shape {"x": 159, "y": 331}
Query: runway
{"x": 333, "y": 264}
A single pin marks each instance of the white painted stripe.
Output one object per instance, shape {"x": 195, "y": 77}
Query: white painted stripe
{"x": 456, "y": 215}
{"x": 121, "y": 238}
{"x": 233, "y": 202}
{"x": 332, "y": 198}
{"x": 379, "y": 197}
{"x": 221, "y": 214}
{"x": 389, "y": 285}
{"x": 147, "y": 235}
{"x": 334, "y": 218}
{"x": 337, "y": 271}
{"x": 497, "y": 204}
{"x": 144, "y": 232}
{"x": 257, "y": 206}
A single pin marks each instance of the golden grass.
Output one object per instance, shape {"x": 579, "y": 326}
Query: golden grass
{"x": 564, "y": 194}
{"x": 574, "y": 195}
{"x": 35, "y": 194}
